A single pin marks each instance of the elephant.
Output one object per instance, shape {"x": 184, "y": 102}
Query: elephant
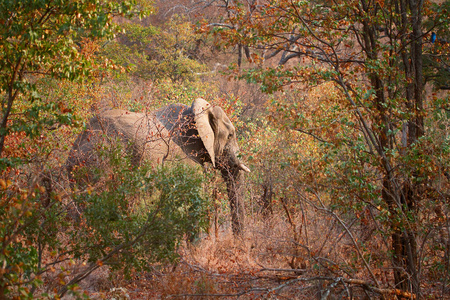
{"x": 201, "y": 133}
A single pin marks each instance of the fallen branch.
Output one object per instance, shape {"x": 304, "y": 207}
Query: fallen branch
{"x": 368, "y": 286}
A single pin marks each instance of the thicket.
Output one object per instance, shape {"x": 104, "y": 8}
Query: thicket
{"x": 342, "y": 115}
{"x": 58, "y": 69}
{"x": 361, "y": 82}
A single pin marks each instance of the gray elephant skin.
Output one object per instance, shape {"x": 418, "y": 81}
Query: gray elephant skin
{"x": 202, "y": 133}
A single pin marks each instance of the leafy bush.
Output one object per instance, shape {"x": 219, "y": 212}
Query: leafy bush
{"x": 132, "y": 217}
{"x": 140, "y": 214}
{"x": 158, "y": 53}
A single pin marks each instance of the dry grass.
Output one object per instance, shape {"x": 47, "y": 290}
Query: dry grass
{"x": 256, "y": 266}
{"x": 266, "y": 263}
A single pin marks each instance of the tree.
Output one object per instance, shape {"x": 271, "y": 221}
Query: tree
{"x": 39, "y": 40}
{"x": 385, "y": 154}
{"x": 158, "y": 53}
{"x": 44, "y": 39}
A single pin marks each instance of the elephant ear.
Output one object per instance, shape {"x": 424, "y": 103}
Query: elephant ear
{"x": 202, "y": 110}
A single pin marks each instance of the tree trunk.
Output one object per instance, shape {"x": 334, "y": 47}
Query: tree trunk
{"x": 6, "y": 111}
{"x": 404, "y": 246}
{"x": 404, "y": 237}
{"x": 266, "y": 199}
{"x": 399, "y": 192}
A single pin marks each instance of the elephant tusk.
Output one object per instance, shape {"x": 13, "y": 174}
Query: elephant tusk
{"x": 244, "y": 168}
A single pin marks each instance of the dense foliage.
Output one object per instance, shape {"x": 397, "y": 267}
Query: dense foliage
{"x": 45, "y": 45}
{"x": 382, "y": 153}
{"x": 342, "y": 114}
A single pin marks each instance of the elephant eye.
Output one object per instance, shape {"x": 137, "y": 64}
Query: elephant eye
{"x": 230, "y": 136}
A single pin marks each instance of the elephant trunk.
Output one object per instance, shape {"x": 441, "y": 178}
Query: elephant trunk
{"x": 233, "y": 178}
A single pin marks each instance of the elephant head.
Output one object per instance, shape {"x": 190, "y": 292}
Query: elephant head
{"x": 201, "y": 132}
{"x": 217, "y": 134}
